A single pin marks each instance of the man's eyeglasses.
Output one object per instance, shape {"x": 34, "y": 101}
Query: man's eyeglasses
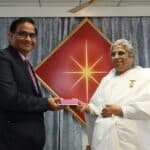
{"x": 24, "y": 34}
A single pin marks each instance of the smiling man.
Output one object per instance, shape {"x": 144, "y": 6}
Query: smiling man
{"x": 121, "y": 103}
{"x": 21, "y": 102}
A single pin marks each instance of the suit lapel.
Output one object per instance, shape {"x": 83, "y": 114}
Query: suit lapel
{"x": 20, "y": 62}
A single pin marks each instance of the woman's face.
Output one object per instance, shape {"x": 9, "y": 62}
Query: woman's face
{"x": 122, "y": 60}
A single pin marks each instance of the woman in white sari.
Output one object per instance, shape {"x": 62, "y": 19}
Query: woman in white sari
{"x": 121, "y": 104}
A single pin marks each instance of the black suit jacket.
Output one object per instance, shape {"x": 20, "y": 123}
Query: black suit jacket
{"x": 21, "y": 107}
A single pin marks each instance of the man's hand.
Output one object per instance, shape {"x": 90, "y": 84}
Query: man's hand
{"x": 53, "y": 104}
{"x": 111, "y": 109}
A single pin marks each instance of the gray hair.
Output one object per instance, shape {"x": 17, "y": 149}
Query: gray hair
{"x": 125, "y": 44}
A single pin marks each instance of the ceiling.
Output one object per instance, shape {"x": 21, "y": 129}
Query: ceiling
{"x": 71, "y": 3}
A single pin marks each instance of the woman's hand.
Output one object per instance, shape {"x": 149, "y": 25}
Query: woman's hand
{"x": 82, "y": 107}
{"x": 112, "y": 109}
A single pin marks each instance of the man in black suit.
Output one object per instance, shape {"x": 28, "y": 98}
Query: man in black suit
{"x": 21, "y": 102}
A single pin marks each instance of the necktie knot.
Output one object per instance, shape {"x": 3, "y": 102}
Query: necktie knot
{"x": 27, "y": 63}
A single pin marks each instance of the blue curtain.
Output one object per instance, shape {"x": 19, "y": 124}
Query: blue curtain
{"x": 63, "y": 131}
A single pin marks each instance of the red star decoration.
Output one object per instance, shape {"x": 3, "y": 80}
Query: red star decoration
{"x": 76, "y": 66}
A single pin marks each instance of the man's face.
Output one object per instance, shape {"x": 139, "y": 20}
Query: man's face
{"x": 122, "y": 60}
{"x": 24, "y": 38}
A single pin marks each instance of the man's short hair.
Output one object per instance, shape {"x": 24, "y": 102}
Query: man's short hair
{"x": 15, "y": 23}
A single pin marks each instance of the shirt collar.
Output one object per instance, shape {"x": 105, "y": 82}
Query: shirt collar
{"x": 22, "y": 56}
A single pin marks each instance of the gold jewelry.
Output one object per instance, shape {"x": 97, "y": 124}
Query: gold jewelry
{"x": 132, "y": 83}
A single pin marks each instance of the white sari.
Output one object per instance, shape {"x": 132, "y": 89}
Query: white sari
{"x": 131, "y": 90}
